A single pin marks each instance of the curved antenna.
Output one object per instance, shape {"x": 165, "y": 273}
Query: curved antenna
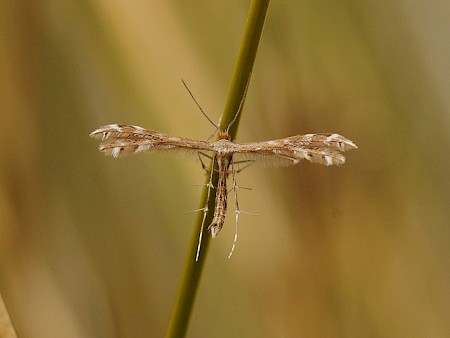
{"x": 207, "y": 117}
{"x": 240, "y": 104}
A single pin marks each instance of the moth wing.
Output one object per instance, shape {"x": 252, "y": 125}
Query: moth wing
{"x": 317, "y": 148}
{"x": 120, "y": 140}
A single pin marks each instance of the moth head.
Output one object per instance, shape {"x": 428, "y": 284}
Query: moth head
{"x": 223, "y": 135}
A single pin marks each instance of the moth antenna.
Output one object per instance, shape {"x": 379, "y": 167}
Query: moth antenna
{"x": 241, "y": 104}
{"x": 198, "y": 105}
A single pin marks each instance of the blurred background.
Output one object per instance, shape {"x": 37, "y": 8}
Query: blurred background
{"x": 92, "y": 246}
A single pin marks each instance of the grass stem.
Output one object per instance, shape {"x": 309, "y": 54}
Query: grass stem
{"x": 179, "y": 321}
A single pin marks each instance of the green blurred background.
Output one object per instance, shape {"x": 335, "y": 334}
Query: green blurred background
{"x": 94, "y": 247}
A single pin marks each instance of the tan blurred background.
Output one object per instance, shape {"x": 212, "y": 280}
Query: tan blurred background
{"x": 94, "y": 247}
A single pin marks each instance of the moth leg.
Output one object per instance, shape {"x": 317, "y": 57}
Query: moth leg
{"x": 248, "y": 164}
{"x": 205, "y": 209}
{"x": 238, "y": 211}
{"x": 238, "y": 187}
{"x": 204, "y": 166}
{"x": 237, "y": 171}
{"x": 214, "y": 133}
{"x": 200, "y": 154}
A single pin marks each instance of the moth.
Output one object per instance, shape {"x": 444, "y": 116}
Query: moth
{"x": 324, "y": 148}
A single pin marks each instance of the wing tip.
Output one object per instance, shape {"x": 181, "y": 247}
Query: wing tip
{"x": 103, "y": 132}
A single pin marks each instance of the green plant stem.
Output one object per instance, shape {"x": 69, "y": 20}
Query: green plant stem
{"x": 187, "y": 291}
